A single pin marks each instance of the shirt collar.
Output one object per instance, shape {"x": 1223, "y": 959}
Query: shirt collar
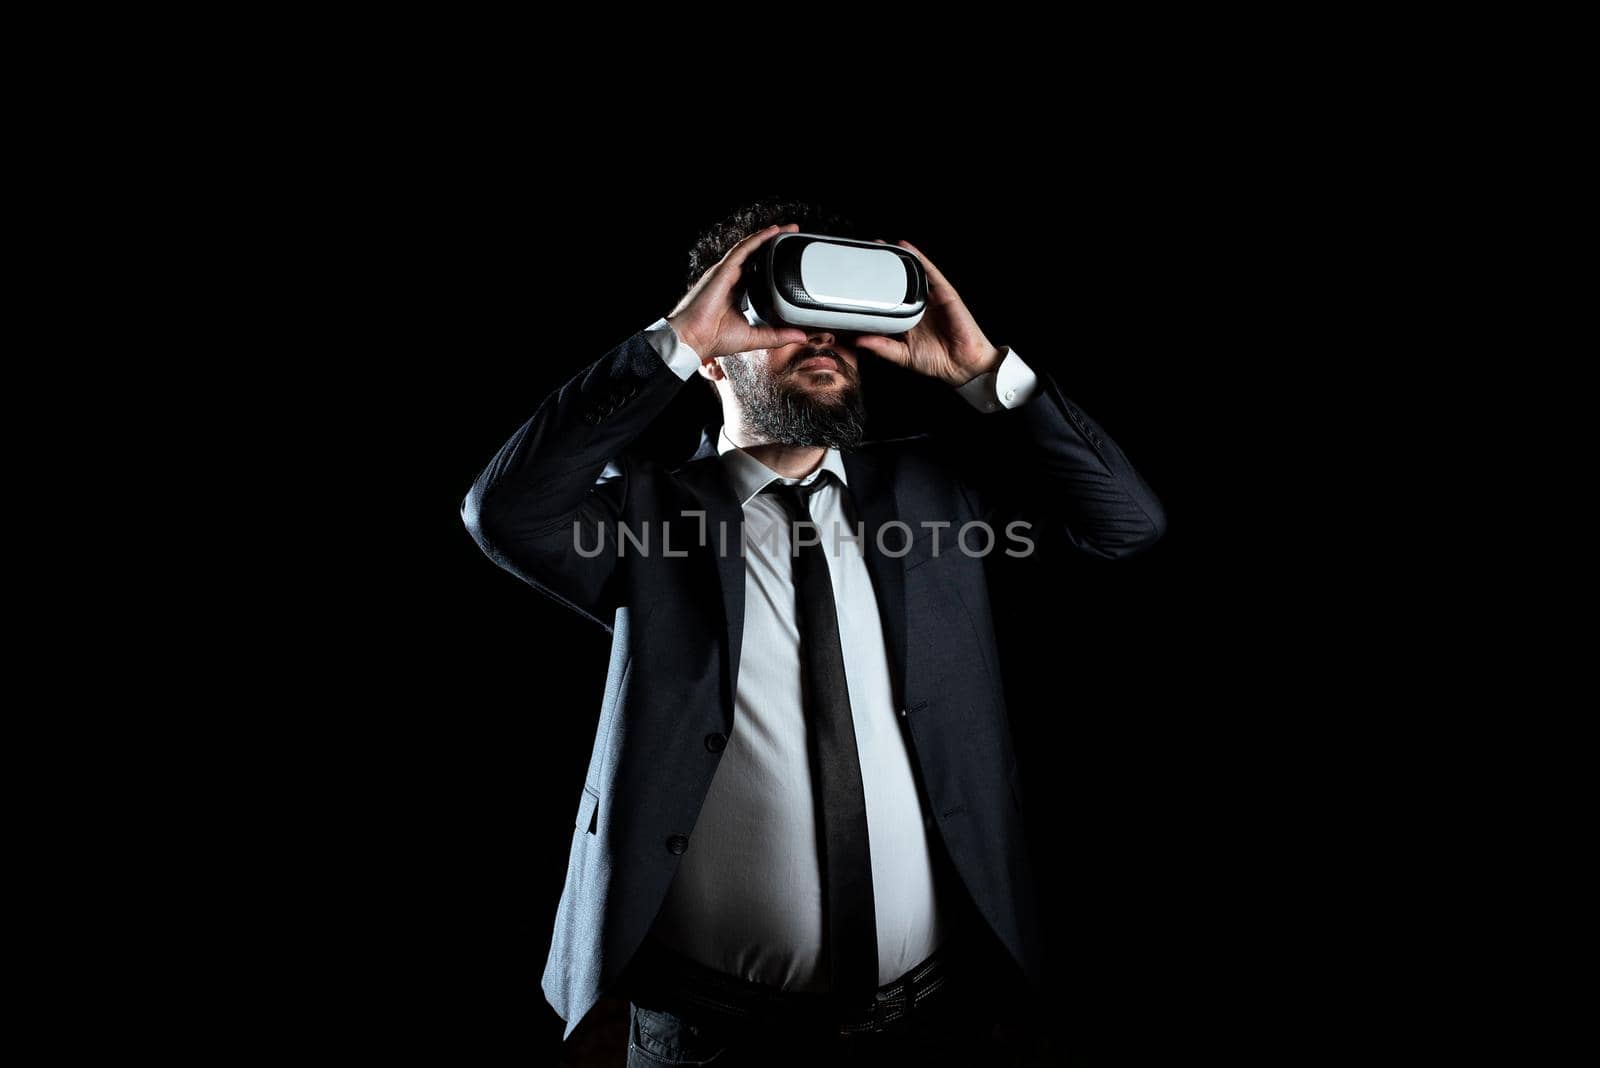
{"x": 750, "y": 476}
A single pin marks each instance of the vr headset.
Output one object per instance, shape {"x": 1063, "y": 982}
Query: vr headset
{"x": 834, "y": 283}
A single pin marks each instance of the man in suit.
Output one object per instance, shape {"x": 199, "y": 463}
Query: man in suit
{"x": 800, "y": 836}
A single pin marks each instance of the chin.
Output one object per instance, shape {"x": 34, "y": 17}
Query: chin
{"x": 826, "y": 392}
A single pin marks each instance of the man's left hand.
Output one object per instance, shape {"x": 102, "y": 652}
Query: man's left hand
{"x": 947, "y": 344}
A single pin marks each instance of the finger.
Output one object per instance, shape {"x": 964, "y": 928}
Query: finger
{"x": 740, "y": 252}
{"x": 886, "y": 347}
{"x": 726, "y": 274}
{"x": 732, "y": 261}
{"x": 728, "y": 269}
{"x": 720, "y": 280}
{"x": 934, "y": 274}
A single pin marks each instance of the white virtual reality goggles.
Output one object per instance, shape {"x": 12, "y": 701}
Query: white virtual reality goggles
{"x": 834, "y": 283}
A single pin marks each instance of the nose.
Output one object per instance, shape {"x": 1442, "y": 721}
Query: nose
{"x": 822, "y": 337}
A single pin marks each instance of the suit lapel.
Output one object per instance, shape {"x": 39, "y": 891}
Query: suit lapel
{"x": 704, "y": 477}
{"x": 872, "y": 493}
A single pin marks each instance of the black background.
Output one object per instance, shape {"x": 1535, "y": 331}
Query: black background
{"x": 1157, "y": 303}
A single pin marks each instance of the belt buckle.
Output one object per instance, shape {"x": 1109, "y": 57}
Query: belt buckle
{"x": 864, "y": 1019}
{"x": 888, "y": 1010}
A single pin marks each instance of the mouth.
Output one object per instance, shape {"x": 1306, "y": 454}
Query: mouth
{"x": 819, "y": 363}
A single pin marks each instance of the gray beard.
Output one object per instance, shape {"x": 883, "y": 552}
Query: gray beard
{"x": 776, "y": 411}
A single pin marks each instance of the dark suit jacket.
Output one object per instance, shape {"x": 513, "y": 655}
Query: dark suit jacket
{"x": 676, "y": 623}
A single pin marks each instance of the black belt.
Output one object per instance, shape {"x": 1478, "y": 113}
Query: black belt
{"x": 661, "y": 977}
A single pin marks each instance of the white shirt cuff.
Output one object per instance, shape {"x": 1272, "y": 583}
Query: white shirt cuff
{"x": 1010, "y": 385}
{"x": 676, "y": 353}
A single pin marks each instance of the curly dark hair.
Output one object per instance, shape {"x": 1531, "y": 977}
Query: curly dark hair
{"x": 714, "y": 242}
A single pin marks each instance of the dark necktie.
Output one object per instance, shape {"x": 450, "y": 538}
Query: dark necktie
{"x": 850, "y": 929}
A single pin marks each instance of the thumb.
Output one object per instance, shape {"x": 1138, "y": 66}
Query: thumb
{"x": 770, "y": 337}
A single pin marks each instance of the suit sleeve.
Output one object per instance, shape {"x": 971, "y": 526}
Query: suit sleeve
{"x": 1028, "y": 453}
{"x": 541, "y": 508}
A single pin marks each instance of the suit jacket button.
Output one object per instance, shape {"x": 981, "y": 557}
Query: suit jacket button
{"x": 677, "y": 843}
{"x": 716, "y": 742}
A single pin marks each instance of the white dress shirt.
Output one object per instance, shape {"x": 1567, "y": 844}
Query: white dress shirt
{"x": 747, "y": 898}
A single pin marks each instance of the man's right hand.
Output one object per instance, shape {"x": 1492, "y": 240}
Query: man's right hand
{"x": 708, "y": 318}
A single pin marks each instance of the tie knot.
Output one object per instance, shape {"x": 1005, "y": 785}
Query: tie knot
{"x": 794, "y": 498}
